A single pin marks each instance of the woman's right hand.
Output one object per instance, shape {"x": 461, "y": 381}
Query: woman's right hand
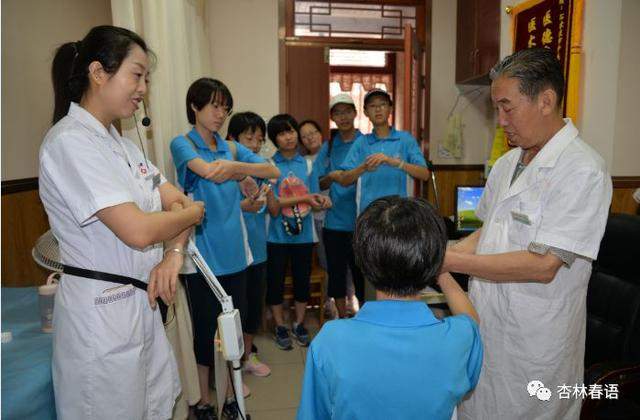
{"x": 197, "y": 209}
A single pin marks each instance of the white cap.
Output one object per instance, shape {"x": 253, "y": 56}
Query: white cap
{"x": 341, "y": 98}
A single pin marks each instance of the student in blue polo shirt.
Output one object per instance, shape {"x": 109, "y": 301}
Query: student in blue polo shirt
{"x": 395, "y": 359}
{"x": 249, "y": 129}
{"x": 209, "y": 169}
{"x": 382, "y": 162}
{"x": 341, "y": 218}
{"x": 290, "y": 238}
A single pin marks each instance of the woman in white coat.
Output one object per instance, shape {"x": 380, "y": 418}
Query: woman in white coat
{"x": 111, "y": 210}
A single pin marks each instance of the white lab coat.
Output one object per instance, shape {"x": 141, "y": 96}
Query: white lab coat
{"x": 111, "y": 357}
{"x": 534, "y": 331}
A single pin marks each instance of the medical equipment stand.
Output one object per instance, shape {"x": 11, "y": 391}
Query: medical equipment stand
{"x": 229, "y": 325}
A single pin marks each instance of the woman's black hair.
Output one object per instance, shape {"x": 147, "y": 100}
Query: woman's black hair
{"x": 313, "y": 123}
{"x": 207, "y": 91}
{"x": 399, "y": 244}
{"x": 244, "y": 121}
{"x": 281, "y": 123}
{"x": 109, "y": 45}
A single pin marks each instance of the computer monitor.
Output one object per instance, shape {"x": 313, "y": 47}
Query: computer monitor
{"x": 467, "y": 198}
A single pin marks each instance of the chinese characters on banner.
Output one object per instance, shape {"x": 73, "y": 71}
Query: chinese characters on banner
{"x": 546, "y": 24}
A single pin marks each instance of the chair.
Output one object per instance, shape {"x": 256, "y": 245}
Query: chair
{"x": 613, "y": 321}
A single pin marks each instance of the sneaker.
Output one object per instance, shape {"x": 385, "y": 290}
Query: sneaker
{"x": 283, "y": 341}
{"x": 230, "y": 410}
{"x": 205, "y": 412}
{"x": 301, "y": 335}
{"x": 255, "y": 367}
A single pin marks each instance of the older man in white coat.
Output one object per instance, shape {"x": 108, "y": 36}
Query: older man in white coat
{"x": 544, "y": 209}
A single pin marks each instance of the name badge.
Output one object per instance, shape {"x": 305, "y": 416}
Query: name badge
{"x": 521, "y": 217}
{"x": 156, "y": 182}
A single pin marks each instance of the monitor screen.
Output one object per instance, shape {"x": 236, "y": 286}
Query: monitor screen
{"x": 467, "y": 199}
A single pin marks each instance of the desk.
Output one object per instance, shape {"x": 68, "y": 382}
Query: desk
{"x": 27, "y": 388}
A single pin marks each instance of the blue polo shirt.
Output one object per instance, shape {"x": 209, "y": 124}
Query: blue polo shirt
{"x": 342, "y": 215}
{"x": 221, "y": 237}
{"x": 385, "y": 180}
{"x": 298, "y": 166}
{"x": 256, "y": 224}
{"x": 393, "y": 360}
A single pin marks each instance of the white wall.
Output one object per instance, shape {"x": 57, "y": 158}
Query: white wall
{"x": 626, "y": 149}
{"x": 31, "y": 31}
{"x": 244, "y": 52}
{"x": 475, "y": 108}
{"x": 599, "y": 84}
{"x": 609, "y": 89}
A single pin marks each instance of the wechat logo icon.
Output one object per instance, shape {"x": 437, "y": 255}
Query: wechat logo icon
{"x": 537, "y": 389}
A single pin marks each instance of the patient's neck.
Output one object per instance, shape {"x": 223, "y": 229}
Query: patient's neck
{"x": 385, "y": 296}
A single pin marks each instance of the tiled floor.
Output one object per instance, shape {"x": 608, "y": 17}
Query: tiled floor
{"x": 277, "y": 396}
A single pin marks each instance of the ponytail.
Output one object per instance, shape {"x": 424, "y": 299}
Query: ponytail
{"x": 61, "y": 72}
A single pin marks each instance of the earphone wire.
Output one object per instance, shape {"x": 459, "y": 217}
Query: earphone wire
{"x": 135, "y": 119}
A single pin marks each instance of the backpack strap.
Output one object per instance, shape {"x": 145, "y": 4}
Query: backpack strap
{"x": 233, "y": 147}
{"x": 193, "y": 143}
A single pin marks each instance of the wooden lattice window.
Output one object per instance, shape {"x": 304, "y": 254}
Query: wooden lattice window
{"x": 338, "y": 19}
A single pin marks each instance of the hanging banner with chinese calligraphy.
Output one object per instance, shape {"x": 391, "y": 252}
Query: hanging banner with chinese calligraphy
{"x": 557, "y": 25}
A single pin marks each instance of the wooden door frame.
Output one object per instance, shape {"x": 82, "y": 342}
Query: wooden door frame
{"x": 423, "y": 32}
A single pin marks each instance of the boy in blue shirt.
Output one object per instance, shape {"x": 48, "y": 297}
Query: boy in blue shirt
{"x": 395, "y": 359}
{"x": 383, "y": 162}
{"x": 337, "y": 233}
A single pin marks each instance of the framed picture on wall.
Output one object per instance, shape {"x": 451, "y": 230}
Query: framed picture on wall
{"x": 557, "y": 25}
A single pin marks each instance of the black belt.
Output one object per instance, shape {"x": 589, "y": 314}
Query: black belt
{"x": 99, "y": 275}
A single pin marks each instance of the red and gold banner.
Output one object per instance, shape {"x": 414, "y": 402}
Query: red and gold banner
{"x": 557, "y": 25}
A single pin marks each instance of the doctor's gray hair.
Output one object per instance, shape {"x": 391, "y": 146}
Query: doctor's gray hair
{"x": 536, "y": 69}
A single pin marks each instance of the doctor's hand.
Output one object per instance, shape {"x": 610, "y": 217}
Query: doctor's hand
{"x": 194, "y": 207}
{"x": 449, "y": 263}
{"x": 197, "y": 208}
{"x": 163, "y": 278}
{"x": 221, "y": 170}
